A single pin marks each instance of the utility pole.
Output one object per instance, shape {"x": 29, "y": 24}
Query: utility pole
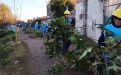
{"x": 15, "y": 9}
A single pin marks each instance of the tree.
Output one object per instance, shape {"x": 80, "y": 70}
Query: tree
{"x": 59, "y": 6}
{"x": 5, "y": 14}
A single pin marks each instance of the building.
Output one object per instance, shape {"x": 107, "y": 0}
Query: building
{"x": 49, "y": 13}
{"x": 91, "y": 13}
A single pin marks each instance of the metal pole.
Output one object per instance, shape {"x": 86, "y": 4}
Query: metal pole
{"x": 86, "y": 5}
{"x": 112, "y": 5}
{"x": 103, "y": 13}
{"x": 16, "y": 35}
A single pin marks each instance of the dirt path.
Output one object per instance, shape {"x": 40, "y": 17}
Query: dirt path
{"x": 39, "y": 62}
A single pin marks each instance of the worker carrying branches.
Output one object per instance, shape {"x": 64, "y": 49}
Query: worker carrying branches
{"x": 67, "y": 20}
{"x": 114, "y": 26}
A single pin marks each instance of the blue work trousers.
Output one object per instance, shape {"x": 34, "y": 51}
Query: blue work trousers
{"x": 24, "y": 28}
{"x": 66, "y": 46}
{"x": 43, "y": 33}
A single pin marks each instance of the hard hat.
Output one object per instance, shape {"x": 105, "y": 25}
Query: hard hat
{"x": 43, "y": 22}
{"x": 117, "y": 13}
{"x": 66, "y": 12}
{"x": 36, "y": 22}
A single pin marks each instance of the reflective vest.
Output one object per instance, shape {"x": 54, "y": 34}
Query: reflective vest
{"x": 116, "y": 31}
{"x": 36, "y": 26}
{"x": 44, "y": 27}
{"x": 70, "y": 20}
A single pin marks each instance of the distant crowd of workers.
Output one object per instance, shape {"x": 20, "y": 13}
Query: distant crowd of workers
{"x": 43, "y": 27}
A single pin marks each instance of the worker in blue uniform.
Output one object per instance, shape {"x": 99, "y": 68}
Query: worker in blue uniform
{"x": 114, "y": 26}
{"x": 25, "y": 26}
{"x": 66, "y": 44}
{"x": 44, "y": 28}
{"x": 36, "y": 26}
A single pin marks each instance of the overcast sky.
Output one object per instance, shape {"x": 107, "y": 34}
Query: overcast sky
{"x": 29, "y": 9}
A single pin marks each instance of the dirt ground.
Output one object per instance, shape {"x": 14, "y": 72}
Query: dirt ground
{"x": 38, "y": 61}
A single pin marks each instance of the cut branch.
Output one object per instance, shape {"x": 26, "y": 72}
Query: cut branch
{"x": 112, "y": 47}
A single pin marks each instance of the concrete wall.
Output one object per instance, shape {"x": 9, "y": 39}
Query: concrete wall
{"x": 79, "y": 22}
{"x": 94, "y": 16}
{"x": 49, "y": 13}
{"x": 80, "y": 16}
{"x": 110, "y": 10}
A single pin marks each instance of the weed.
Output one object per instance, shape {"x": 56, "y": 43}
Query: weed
{"x": 38, "y": 34}
{"x": 7, "y": 33}
{"x": 20, "y": 53}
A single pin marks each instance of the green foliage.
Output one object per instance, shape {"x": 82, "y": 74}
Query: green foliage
{"x": 119, "y": 58}
{"x": 59, "y": 6}
{"x": 49, "y": 52}
{"x": 97, "y": 63}
{"x": 38, "y": 34}
{"x": 7, "y": 36}
{"x": 56, "y": 68}
{"x": 84, "y": 55}
{"x": 30, "y": 32}
{"x": 5, "y": 50}
{"x": 112, "y": 53}
{"x": 115, "y": 68}
{"x": 54, "y": 48}
{"x": 5, "y": 39}
{"x": 7, "y": 32}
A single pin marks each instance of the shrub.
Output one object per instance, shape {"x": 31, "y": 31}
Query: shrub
{"x": 38, "y": 34}
{"x": 8, "y": 38}
{"x": 3, "y": 24}
{"x": 5, "y": 50}
{"x": 7, "y": 33}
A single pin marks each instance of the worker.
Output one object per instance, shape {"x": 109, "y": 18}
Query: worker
{"x": 36, "y": 26}
{"x": 68, "y": 43}
{"x": 25, "y": 26}
{"x": 44, "y": 28}
{"x": 114, "y": 26}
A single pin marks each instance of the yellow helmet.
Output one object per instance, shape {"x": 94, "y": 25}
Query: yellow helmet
{"x": 117, "y": 13}
{"x": 43, "y": 22}
{"x": 36, "y": 22}
{"x": 66, "y": 12}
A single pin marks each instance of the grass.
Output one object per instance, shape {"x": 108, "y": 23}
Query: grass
{"x": 7, "y": 32}
{"x": 29, "y": 32}
{"x": 5, "y": 50}
{"x": 7, "y": 36}
{"x": 10, "y": 54}
{"x": 35, "y": 33}
{"x": 21, "y": 54}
